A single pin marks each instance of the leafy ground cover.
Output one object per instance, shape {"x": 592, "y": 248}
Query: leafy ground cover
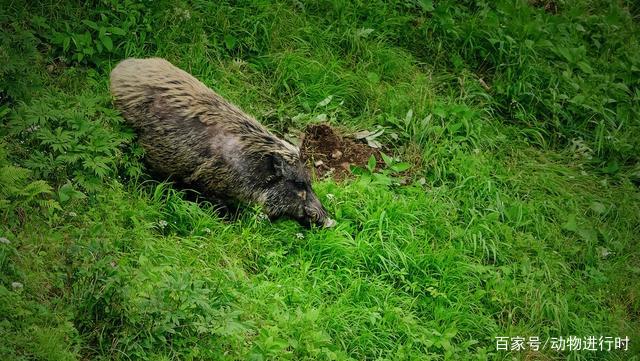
{"x": 518, "y": 215}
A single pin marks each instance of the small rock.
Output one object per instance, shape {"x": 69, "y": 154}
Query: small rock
{"x": 362, "y": 134}
{"x": 346, "y": 166}
{"x": 318, "y": 163}
{"x": 336, "y": 154}
{"x": 17, "y": 285}
{"x": 4, "y": 240}
{"x": 329, "y": 173}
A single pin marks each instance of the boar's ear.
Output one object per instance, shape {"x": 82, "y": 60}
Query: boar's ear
{"x": 272, "y": 165}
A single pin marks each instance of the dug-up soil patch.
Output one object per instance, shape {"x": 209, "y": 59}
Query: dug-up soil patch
{"x": 329, "y": 154}
{"x": 549, "y": 6}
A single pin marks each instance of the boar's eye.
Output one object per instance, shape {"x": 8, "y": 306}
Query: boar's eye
{"x": 297, "y": 184}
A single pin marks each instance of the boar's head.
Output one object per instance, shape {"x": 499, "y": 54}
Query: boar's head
{"x": 286, "y": 191}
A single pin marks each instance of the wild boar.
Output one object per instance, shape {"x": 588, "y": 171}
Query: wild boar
{"x": 193, "y": 135}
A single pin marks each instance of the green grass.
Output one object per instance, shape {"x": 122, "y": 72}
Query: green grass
{"x": 520, "y": 216}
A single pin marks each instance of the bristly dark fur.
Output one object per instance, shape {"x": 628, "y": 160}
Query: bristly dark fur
{"x": 192, "y": 134}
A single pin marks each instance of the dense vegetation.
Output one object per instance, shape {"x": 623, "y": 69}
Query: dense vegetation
{"x": 518, "y": 217}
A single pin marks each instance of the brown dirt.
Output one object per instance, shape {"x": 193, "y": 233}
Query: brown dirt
{"x": 549, "y": 6}
{"x": 330, "y": 155}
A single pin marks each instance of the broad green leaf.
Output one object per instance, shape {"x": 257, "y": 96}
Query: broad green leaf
{"x": 106, "y": 41}
{"x": 371, "y": 164}
{"x": 321, "y": 117}
{"x": 230, "y": 41}
{"x": 585, "y": 67}
{"x": 387, "y": 159}
{"x": 427, "y": 5}
{"x": 65, "y": 43}
{"x": 578, "y": 99}
{"x": 67, "y": 192}
{"x": 373, "y": 77}
{"x": 408, "y": 117}
{"x": 571, "y": 224}
{"x": 400, "y": 167}
{"x": 90, "y": 24}
{"x": 383, "y": 179}
{"x": 374, "y": 143}
{"x": 355, "y": 170}
{"x": 588, "y": 234}
{"x": 117, "y": 31}
{"x": 454, "y": 127}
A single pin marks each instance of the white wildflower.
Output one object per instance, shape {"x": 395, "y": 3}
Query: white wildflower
{"x": 73, "y": 214}
{"x": 239, "y": 63}
{"x": 207, "y": 231}
{"x": 17, "y": 285}
{"x": 183, "y": 14}
{"x": 300, "y": 235}
{"x": 162, "y": 223}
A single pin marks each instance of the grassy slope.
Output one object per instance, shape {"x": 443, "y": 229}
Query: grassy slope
{"x": 525, "y": 222}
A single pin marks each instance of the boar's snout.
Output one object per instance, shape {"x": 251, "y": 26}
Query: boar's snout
{"x": 314, "y": 213}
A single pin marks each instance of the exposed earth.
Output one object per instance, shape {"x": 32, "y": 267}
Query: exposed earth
{"x": 329, "y": 154}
